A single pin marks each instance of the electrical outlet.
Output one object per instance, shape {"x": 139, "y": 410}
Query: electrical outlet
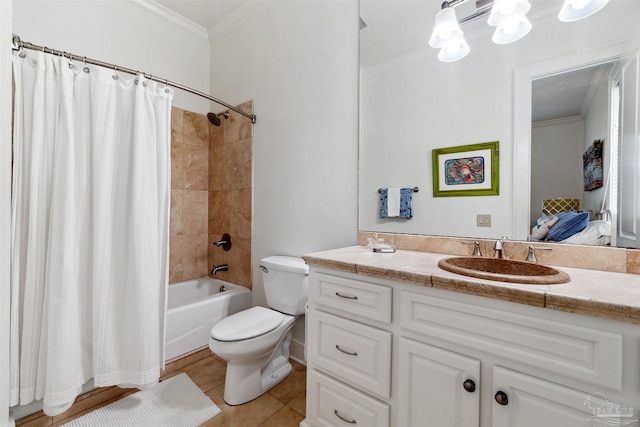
{"x": 483, "y": 220}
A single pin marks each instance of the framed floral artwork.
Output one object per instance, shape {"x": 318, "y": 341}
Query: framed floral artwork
{"x": 467, "y": 170}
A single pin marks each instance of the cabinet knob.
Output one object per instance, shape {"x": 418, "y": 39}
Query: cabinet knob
{"x": 501, "y": 398}
{"x": 469, "y": 385}
{"x": 346, "y": 420}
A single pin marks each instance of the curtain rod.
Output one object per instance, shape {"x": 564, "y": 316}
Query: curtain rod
{"x": 18, "y": 44}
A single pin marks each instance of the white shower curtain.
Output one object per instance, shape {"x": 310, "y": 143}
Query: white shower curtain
{"x": 90, "y": 229}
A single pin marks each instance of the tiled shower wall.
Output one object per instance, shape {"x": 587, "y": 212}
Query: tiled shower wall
{"x": 230, "y": 194}
{"x": 211, "y": 186}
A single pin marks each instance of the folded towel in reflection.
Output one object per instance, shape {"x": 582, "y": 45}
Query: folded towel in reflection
{"x": 395, "y": 202}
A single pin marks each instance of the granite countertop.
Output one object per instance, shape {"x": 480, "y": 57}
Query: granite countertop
{"x": 608, "y": 295}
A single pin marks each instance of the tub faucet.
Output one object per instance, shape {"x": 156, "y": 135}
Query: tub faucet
{"x": 221, "y": 267}
{"x": 225, "y": 243}
{"x": 498, "y": 247}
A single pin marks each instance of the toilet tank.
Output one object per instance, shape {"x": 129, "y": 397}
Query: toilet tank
{"x": 286, "y": 283}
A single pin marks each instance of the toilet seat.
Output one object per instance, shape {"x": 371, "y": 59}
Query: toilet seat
{"x": 246, "y": 324}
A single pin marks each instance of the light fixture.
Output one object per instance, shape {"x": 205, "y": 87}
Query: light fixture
{"x": 509, "y": 18}
{"x": 574, "y": 10}
{"x": 503, "y": 9}
{"x": 511, "y": 29}
{"x": 453, "y": 50}
{"x": 446, "y": 27}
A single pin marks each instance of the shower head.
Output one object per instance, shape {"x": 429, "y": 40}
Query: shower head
{"x": 214, "y": 119}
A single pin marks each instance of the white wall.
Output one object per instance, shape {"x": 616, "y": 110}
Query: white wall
{"x": 596, "y": 120}
{"x": 117, "y": 32}
{"x": 416, "y": 103}
{"x": 556, "y": 145}
{"x": 298, "y": 61}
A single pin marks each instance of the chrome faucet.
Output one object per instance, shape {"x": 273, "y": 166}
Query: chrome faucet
{"x": 221, "y": 267}
{"x": 476, "y": 248}
{"x": 498, "y": 247}
{"x": 532, "y": 252}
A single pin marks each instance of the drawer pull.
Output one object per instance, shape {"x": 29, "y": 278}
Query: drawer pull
{"x": 335, "y": 411}
{"x": 338, "y": 294}
{"x": 469, "y": 385}
{"x": 346, "y": 352}
{"x": 501, "y": 398}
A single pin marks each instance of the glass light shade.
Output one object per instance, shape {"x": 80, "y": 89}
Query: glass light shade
{"x": 511, "y": 29}
{"x": 454, "y": 50}
{"x": 502, "y": 9}
{"x": 574, "y": 10}
{"x": 446, "y": 28}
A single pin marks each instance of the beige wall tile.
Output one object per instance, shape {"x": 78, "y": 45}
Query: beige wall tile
{"x": 240, "y": 213}
{"x": 176, "y": 255}
{"x": 195, "y": 167}
{"x": 195, "y": 208}
{"x": 194, "y": 258}
{"x": 175, "y": 215}
{"x": 230, "y": 195}
{"x": 177, "y": 166}
{"x": 195, "y": 130}
{"x": 219, "y": 208}
{"x": 238, "y": 127}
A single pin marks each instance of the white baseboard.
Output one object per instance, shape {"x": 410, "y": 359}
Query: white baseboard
{"x": 296, "y": 351}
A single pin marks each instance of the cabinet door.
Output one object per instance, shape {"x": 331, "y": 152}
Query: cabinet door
{"x": 436, "y": 387}
{"x": 520, "y": 400}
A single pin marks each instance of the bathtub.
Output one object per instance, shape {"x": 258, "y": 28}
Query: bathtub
{"x": 194, "y": 306}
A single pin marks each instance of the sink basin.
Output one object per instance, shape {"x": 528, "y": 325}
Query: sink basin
{"x": 504, "y": 270}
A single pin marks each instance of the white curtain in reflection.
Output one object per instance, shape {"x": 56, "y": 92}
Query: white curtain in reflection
{"x": 90, "y": 211}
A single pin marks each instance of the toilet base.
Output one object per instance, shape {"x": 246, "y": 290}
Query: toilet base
{"x": 247, "y": 381}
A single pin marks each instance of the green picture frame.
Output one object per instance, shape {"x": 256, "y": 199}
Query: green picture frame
{"x": 467, "y": 170}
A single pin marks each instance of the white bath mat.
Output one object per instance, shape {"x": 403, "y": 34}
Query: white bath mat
{"x": 173, "y": 402}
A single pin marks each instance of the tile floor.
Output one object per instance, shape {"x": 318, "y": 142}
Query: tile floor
{"x": 282, "y": 406}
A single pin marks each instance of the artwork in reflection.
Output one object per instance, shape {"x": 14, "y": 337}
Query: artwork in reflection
{"x": 592, "y": 162}
{"x": 467, "y": 170}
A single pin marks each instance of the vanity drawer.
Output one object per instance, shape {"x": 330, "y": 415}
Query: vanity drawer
{"x": 574, "y": 351}
{"x": 354, "y": 297}
{"x": 331, "y": 403}
{"x": 355, "y": 353}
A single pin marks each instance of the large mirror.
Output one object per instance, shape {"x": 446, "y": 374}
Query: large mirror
{"x": 411, "y": 103}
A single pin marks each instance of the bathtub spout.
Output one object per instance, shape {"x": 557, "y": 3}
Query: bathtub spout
{"x": 221, "y": 267}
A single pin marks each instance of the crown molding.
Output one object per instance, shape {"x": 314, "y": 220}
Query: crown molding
{"x": 238, "y": 16}
{"x": 159, "y": 11}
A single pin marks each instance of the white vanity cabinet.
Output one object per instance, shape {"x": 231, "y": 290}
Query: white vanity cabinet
{"x": 388, "y": 353}
{"x": 436, "y": 387}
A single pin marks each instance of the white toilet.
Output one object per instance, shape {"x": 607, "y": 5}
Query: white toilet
{"x": 255, "y": 342}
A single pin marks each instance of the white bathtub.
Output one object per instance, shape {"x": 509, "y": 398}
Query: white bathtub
{"x": 194, "y": 306}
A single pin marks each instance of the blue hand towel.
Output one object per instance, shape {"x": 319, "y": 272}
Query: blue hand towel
{"x": 405, "y": 203}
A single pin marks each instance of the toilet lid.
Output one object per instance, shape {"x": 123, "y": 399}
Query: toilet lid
{"x": 246, "y": 324}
